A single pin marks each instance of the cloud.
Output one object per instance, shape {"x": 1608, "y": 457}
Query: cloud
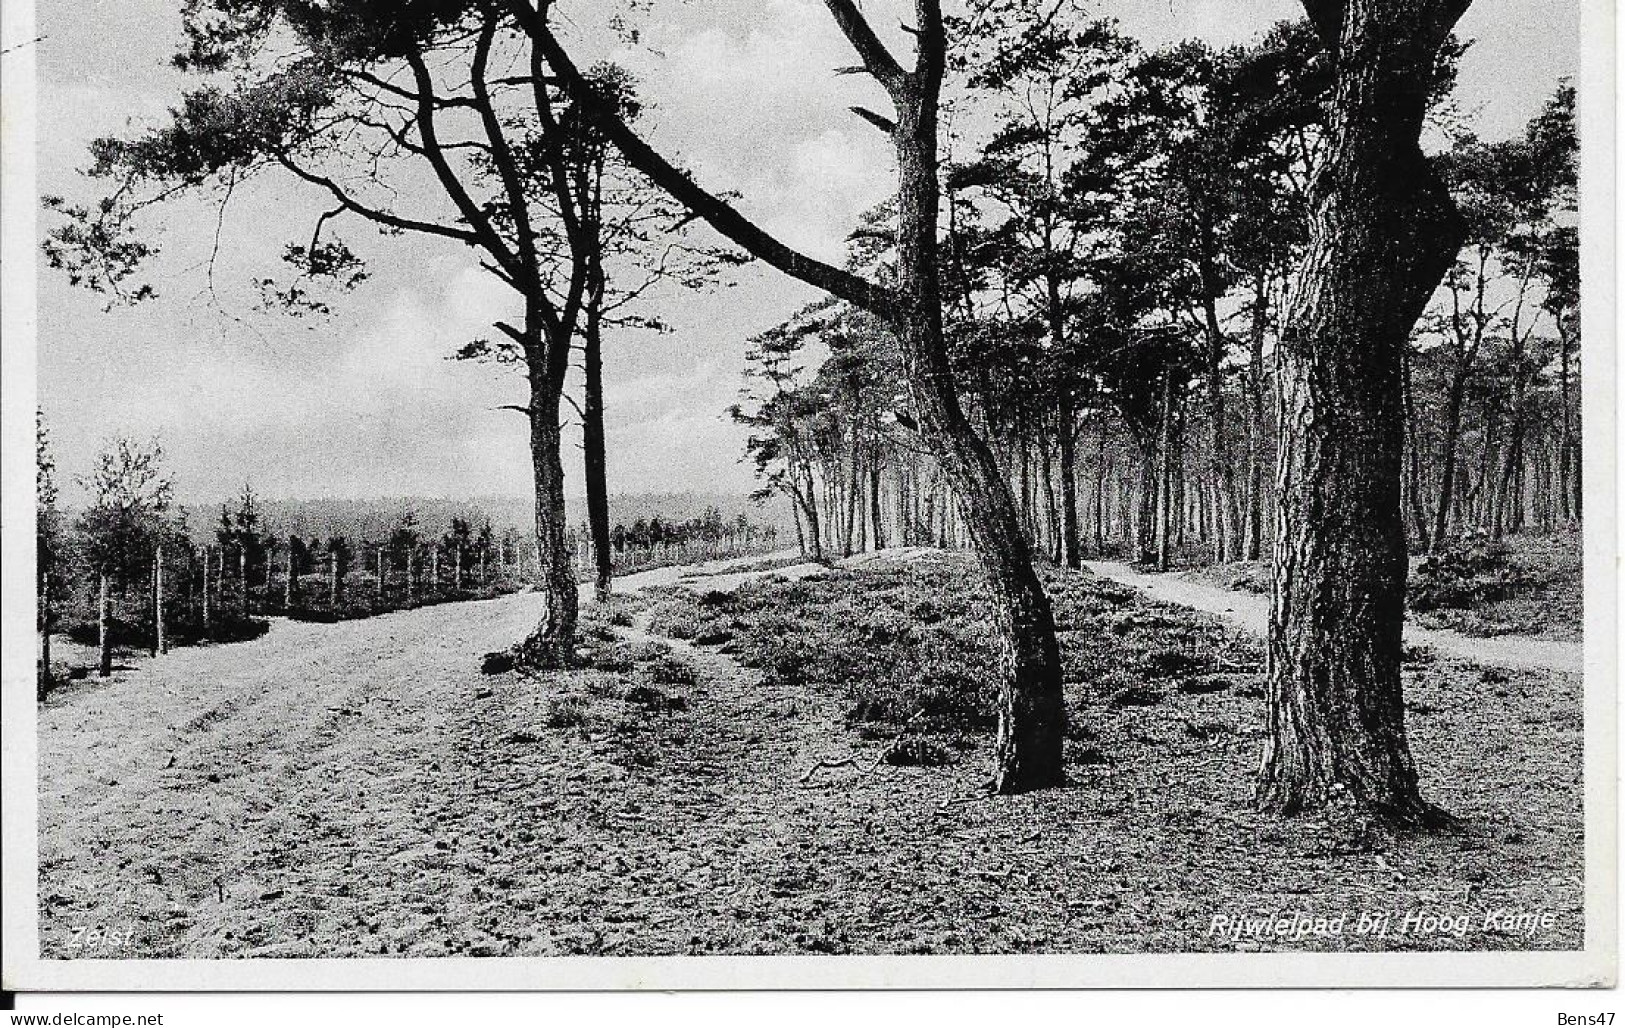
{"x": 744, "y": 94}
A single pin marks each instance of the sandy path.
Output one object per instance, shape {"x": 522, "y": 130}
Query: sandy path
{"x": 1252, "y": 612}
{"x": 199, "y": 776}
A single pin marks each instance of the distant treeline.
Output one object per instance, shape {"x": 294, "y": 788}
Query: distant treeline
{"x": 375, "y": 518}
{"x": 136, "y": 571}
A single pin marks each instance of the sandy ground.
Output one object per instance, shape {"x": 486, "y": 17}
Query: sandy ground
{"x": 360, "y": 789}
{"x": 1252, "y": 611}
{"x": 192, "y": 779}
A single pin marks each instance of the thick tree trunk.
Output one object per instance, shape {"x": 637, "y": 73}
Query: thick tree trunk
{"x": 552, "y": 643}
{"x": 1383, "y": 232}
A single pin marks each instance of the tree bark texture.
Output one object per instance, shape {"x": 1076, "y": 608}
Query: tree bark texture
{"x": 1383, "y": 232}
{"x": 552, "y": 643}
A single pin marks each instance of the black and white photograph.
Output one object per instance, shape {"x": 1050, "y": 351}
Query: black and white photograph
{"x": 702, "y": 494}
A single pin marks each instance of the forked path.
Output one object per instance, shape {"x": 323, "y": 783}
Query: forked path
{"x": 1252, "y": 612}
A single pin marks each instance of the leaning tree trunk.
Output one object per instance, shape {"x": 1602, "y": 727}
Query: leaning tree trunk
{"x": 1382, "y": 234}
{"x": 1032, "y": 714}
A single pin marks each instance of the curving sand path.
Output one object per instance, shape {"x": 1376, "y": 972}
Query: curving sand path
{"x": 1252, "y": 612}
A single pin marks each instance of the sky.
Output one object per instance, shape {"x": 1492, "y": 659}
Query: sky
{"x": 366, "y": 404}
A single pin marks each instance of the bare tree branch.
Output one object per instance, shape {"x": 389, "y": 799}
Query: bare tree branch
{"x": 877, "y": 60}
{"x": 884, "y": 124}
{"x": 373, "y": 213}
{"x": 883, "y": 302}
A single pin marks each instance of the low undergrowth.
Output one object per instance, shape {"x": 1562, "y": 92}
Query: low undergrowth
{"x": 1521, "y": 585}
{"x": 913, "y": 643}
{"x": 656, "y": 799}
{"x": 1465, "y": 573}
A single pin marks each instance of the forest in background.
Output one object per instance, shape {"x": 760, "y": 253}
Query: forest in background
{"x": 1082, "y": 230}
{"x": 1117, "y": 254}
